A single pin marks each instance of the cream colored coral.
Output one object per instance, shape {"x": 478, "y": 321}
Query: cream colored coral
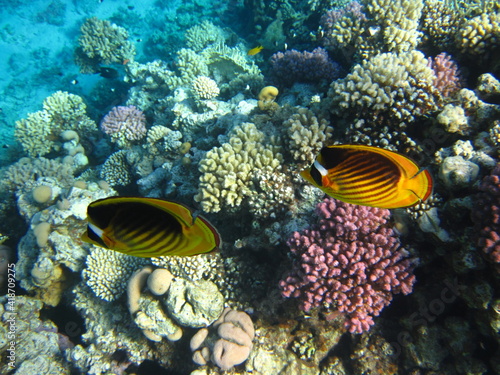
{"x": 227, "y": 171}
{"x": 399, "y": 84}
{"x": 105, "y": 42}
{"x": 200, "y": 36}
{"x": 480, "y": 34}
{"x": 32, "y": 131}
{"x": 115, "y": 170}
{"x": 399, "y": 21}
{"x": 306, "y": 135}
{"x": 205, "y": 88}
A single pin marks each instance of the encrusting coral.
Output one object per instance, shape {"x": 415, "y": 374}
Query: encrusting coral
{"x": 227, "y": 171}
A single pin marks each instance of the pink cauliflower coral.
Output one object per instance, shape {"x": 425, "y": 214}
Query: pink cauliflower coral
{"x": 124, "y": 124}
{"x": 447, "y": 79}
{"x": 350, "y": 262}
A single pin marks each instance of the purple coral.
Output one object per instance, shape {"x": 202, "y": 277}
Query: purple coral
{"x": 447, "y": 79}
{"x": 486, "y": 215}
{"x": 351, "y": 261}
{"x": 125, "y": 122}
{"x": 308, "y": 67}
{"x": 353, "y": 10}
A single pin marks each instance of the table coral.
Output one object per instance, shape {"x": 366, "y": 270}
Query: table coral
{"x": 351, "y": 262}
{"x": 200, "y": 36}
{"x": 227, "y": 171}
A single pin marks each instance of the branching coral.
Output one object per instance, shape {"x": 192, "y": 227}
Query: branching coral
{"x": 125, "y": 124}
{"x": 480, "y": 35}
{"x": 394, "y": 87}
{"x": 116, "y": 170}
{"x": 102, "y": 42}
{"x": 38, "y": 134}
{"x": 227, "y": 170}
{"x": 350, "y": 262}
{"x": 200, "y": 36}
{"x": 205, "y": 88}
{"x": 306, "y": 135}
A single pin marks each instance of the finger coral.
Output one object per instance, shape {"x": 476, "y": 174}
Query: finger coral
{"x": 351, "y": 262}
{"x": 102, "y": 42}
{"x": 227, "y": 171}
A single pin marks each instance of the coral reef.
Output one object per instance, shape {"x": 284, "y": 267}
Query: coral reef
{"x": 62, "y": 111}
{"x": 485, "y": 215}
{"x": 351, "y": 262}
{"x": 102, "y": 42}
{"x": 391, "y": 87}
{"x": 125, "y": 125}
{"x": 230, "y": 345}
{"x": 227, "y": 170}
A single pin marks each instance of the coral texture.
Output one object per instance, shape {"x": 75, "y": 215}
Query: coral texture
{"x": 396, "y": 86}
{"x": 310, "y": 67}
{"x": 227, "y": 170}
{"x": 486, "y": 215}
{"x": 124, "y": 124}
{"x": 39, "y": 132}
{"x": 229, "y": 346}
{"x": 447, "y": 79}
{"x": 102, "y": 42}
{"x": 205, "y": 88}
{"x": 350, "y": 262}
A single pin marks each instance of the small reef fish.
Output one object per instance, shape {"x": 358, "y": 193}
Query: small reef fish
{"x": 108, "y": 73}
{"x": 148, "y": 227}
{"x": 255, "y": 50}
{"x": 369, "y": 176}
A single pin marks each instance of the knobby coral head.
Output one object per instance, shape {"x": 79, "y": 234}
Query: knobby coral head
{"x": 350, "y": 262}
{"x": 125, "y": 123}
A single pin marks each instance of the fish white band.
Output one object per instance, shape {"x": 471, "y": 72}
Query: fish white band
{"x": 98, "y": 231}
{"x": 320, "y": 168}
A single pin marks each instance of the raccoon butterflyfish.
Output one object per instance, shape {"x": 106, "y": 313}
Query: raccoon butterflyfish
{"x": 148, "y": 227}
{"x": 255, "y": 50}
{"x": 369, "y": 176}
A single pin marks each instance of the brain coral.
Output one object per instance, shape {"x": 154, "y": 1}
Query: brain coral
{"x": 227, "y": 171}
{"x": 390, "y": 86}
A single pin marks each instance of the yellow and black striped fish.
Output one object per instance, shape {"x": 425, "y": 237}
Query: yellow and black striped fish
{"x": 369, "y": 176}
{"x": 148, "y": 227}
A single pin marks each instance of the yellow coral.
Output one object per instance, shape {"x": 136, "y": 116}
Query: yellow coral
{"x": 227, "y": 171}
{"x": 480, "y": 34}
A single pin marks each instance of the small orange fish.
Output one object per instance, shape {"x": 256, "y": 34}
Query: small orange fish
{"x": 369, "y": 176}
{"x": 126, "y": 61}
{"x": 255, "y": 50}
